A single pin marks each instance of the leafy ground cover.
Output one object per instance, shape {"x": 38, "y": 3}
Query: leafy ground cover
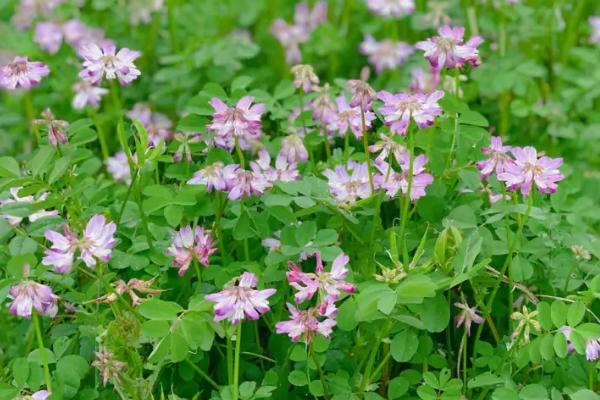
{"x": 343, "y": 199}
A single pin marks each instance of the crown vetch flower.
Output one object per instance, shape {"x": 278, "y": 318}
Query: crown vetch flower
{"x": 211, "y": 176}
{"x": 241, "y": 182}
{"x": 48, "y": 36}
{"x": 191, "y": 244}
{"x": 528, "y": 169}
{"x": 398, "y": 109}
{"x": 56, "y": 128}
{"x": 349, "y": 118}
{"x": 448, "y": 50}
{"x": 103, "y": 60}
{"x": 118, "y": 167}
{"x": 22, "y": 73}
{"x": 15, "y": 198}
{"x": 349, "y": 183}
{"x": 185, "y": 139}
{"x": 290, "y": 36}
{"x": 392, "y": 181}
{"x": 310, "y": 19}
{"x": 107, "y": 365}
{"x": 362, "y": 94}
{"x": 385, "y": 147}
{"x": 385, "y": 54}
{"x": 424, "y": 82}
{"x": 595, "y": 25}
{"x": 498, "y": 159}
{"x": 305, "y": 324}
{"x": 29, "y": 295}
{"x": 391, "y": 8}
{"x": 304, "y": 77}
{"x": 293, "y": 149}
{"x": 592, "y": 349}
{"x": 283, "y": 171}
{"x": 467, "y": 315}
{"x": 323, "y": 108}
{"x": 78, "y": 35}
{"x": 239, "y": 299}
{"x": 87, "y": 94}
{"x": 242, "y": 121}
{"x": 157, "y": 125}
{"x": 41, "y": 395}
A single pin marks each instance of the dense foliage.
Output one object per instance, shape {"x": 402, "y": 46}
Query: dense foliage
{"x": 342, "y": 199}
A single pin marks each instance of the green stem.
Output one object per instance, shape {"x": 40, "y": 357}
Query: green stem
{"x": 346, "y": 148}
{"x": 321, "y": 374}
{"x": 203, "y": 374}
{"x": 218, "y": 212}
{"x": 229, "y": 361}
{"x": 40, "y": 340}
{"x": 31, "y": 117}
{"x": 127, "y": 195}
{"x": 236, "y": 369}
{"x": 172, "y": 26}
{"x": 101, "y": 136}
{"x": 327, "y": 146}
{"x": 366, "y": 146}
{"x": 138, "y": 198}
{"x": 406, "y": 203}
{"x": 239, "y": 152}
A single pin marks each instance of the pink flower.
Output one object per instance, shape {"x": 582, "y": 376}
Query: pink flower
{"x": 29, "y": 295}
{"x": 78, "y": 35}
{"x": 56, "y": 127}
{"x": 87, "y": 94}
{"x": 241, "y": 182}
{"x": 211, "y": 176}
{"x": 284, "y": 171}
{"x": 323, "y": 108}
{"x": 41, "y": 395}
{"x": 529, "y": 169}
{"x": 387, "y": 146}
{"x": 349, "y": 183}
{"x": 15, "y": 198}
{"x": 191, "y": 244}
{"x": 592, "y": 349}
{"x": 95, "y": 244}
{"x": 329, "y": 285}
{"x": 292, "y": 149}
{"x": 22, "y": 73}
{"x": 310, "y": 19}
{"x": 157, "y": 125}
{"x": 103, "y": 61}
{"x": 398, "y": 109}
{"x": 448, "y": 50}
{"x": 239, "y": 299}
{"x": 498, "y": 158}
{"x": 391, "y": 8}
{"x": 290, "y": 37}
{"x": 467, "y": 316}
{"x": 140, "y": 11}
{"x": 424, "y": 82}
{"x": 48, "y": 36}
{"x": 304, "y": 77}
{"x": 362, "y": 94}
{"x": 242, "y": 121}
{"x": 118, "y": 167}
{"x": 392, "y": 181}
{"x": 305, "y": 324}
{"x": 566, "y": 331}
{"x": 349, "y": 118}
{"x": 386, "y": 54}
{"x": 595, "y": 25}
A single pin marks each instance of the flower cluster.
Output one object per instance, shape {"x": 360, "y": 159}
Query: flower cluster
{"x": 157, "y": 125}
{"x": 399, "y": 109}
{"x": 22, "y": 73}
{"x": 448, "y": 50}
{"x": 189, "y": 245}
{"x": 393, "y": 182}
{"x": 103, "y": 60}
{"x": 241, "y": 124}
{"x": 386, "y": 54}
{"x": 391, "y": 8}
{"x": 29, "y": 295}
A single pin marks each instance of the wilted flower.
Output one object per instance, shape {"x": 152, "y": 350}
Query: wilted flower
{"x": 305, "y": 324}
{"x": 96, "y": 242}
{"x": 107, "y": 365}
{"x": 56, "y": 128}
{"x": 284, "y": 171}
{"x": 185, "y": 139}
{"x": 22, "y": 73}
{"x": 29, "y": 295}
{"x": 362, "y": 94}
{"x": 15, "y": 198}
{"x": 528, "y": 169}
{"x": 467, "y": 315}
{"x": 385, "y": 54}
{"x": 498, "y": 159}
{"x": 292, "y": 149}
{"x": 448, "y": 50}
{"x": 323, "y": 108}
{"x": 392, "y": 181}
{"x": 48, "y": 36}
{"x": 349, "y": 118}
{"x": 390, "y": 275}
{"x": 239, "y": 299}
{"x": 387, "y": 146}
{"x": 211, "y": 176}
{"x": 527, "y": 322}
{"x": 581, "y": 253}
{"x": 391, "y": 8}
{"x": 304, "y": 77}
{"x": 157, "y": 125}
{"x": 424, "y": 82}
{"x": 398, "y": 109}
{"x": 191, "y": 244}
{"x": 242, "y": 121}
{"x": 102, "y": 60}
{"x": 87, "y": 94}
{"x": 349, "y": 183}
{"x": 118, "y": 167}
{"x": 241, "y": 182}
{"x": 595, "y": 25}
{"x": 592, "y": 349}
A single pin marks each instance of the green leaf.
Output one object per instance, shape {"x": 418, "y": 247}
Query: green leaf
{"x": 404, "y": 345}
{"x": 22, "y": 245}
{"x": 9, "y": 167}
{"x": 435, "y": 313}
{"x": 560, "y": 345}
{"x": 485, "y": 379}
{"x": 242, "y": 229}
{"x": 305, "y": 233}
{"x": 544, "y": 316}
{"x": 533, "y": 392}
{"x": 159, "y": 310}
{"x": 558, "y": 313}
{"x": 575, "y": 314}
{"x": 173, "y": 214}
{"x": 414, "y": 289}
{"x": 471, "y": 117}
{"x": 41, "y": 160}
{"x": 155, "y": 329}
{"x": 35, "y": 356}
{"x": 397, "y": 388}
{"x": 178, "y": 347}
{"x": 297, "y": 378}
{"x": 20, "y": 371}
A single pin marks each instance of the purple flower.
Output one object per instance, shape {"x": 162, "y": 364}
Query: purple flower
{"x": 424, "y": 82}
{"x": 392, "y": 181}
{"x": 95, "y": 244}
{"x": 448, "y": 50}
{"x": 118, "y": 167}
{"x": 284, "y": 171}
{"x": 398, "y": 109}
{"x": 467, "y": 316}
{"x": 592, "y": 349}
{"x": 595, "y": 25}
{"x": 191, "y": 244}
{"x": 290, "y": 37}
{"x": 22, "y": 73}
{"x": 362, "y": 94}
{"x": 56, "y": 128}
{"x": 241, "y": 182}
{"x": 349, "y": 183}
{"x": 157, "y": 125}
{"x": 304, "y": 77}
{"x": 78, "y": 35}
{"x": 386, "y": 54}
{"x": 87, "y": 94}
{"x": 310, "y": 19}
{"x": 48, "y": 36}
{"x": 15, "y": 198}
{"x": 305, "y": 324}
{"x": 323, "y": 108}
{"x": 329, "y": 285}
{"x": 41, "y": 395}
{"x": 102, "y": 60}
{"x": 391, "y": 8}
{"x": 239, "y": 299}
{"x": 528, "y": 169}
{"x": 498, "y": 159}
{"x": 29, "y": 295}
{"x": 140, "y": 11}
{"x": 242, "y": 121}
{"x": 292, "y": 149}
{"x": 566, "y": 330}
{"x": 349, "y": 118}
{"x": 387, "y": 146}
{"x": 211, "y": 176}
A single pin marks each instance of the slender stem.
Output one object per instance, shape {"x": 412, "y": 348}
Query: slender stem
{"x": 465, "y": 361}
{"x": 203, "y": 374}
{"x": 236, "y": 369}
{"x": 239, "y": 152}
{"x": 218, "y": 212}
{"x": 138, "y": 198}
{"x": 327, "y": 146}
{"x": 172, "y": 26}
{"x": 346, "y": 147}
{"x": 114, "y": 93}
{"x": 229, "y": 361}
{"x": 31, "y": 117}
{"x": 101, "y": 136}
{"x": 406, "y": 204}
{"x": 366, "y": 146}
{"x": 40, "y": 340}
{"x": 321, "y": 374}
{"x": 127, "y": 195}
